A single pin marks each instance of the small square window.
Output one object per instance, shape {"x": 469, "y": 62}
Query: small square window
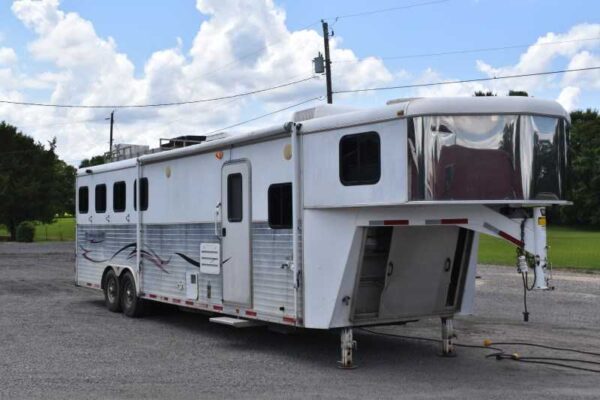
{"x": 360, "y": 159}
{"x": 119, "y": 196}
{"x": 234, "y": 198}
{"x": 84, "y": 200}
{"x": 143, "y": 194}
{"x": 100, "y": 198}
{"x": 280, "y": 206}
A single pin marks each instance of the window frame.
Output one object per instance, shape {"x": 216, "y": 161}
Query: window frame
{"x": 123, "y": 193}
{"x": 144, "y": 194}
{"x": 280, "y": 186}
{"x": 360, "y": 182}
{"x": 98, "y": 186}
{"x": 87, "y": 199}
{"x": 229, "y": 197}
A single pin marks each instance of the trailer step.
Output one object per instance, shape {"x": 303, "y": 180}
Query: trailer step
{"x": 236, "y": 322}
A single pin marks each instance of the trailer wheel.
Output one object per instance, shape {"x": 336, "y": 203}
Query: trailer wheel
{"x": 112, "y": 291}
{"x": 132, "y": 305}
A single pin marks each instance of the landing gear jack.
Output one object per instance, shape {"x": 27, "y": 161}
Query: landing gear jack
{"x": 348, "y": 344}
{"x": 448, "y": 337}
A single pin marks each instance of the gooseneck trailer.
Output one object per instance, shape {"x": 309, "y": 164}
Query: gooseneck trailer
{"x": 336, "y": 219}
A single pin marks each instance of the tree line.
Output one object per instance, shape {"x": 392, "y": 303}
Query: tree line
{"x": 35, "y": 185}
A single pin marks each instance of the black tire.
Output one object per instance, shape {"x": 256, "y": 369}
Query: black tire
{"x": 131, "y": 304}
{"x": 112, "y": 292}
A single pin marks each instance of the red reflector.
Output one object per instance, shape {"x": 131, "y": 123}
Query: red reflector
{"x": 88, "y": 284}
{"x": 176, "y": 301}
{"x": 395, "y": 222}
{"x": 218, "y": 308}
{"x": 251, "y": 313}
{"x": 152, "y": 296}
{"x": 189, "y": 303}
{"x": 510, "y": 238}
{"x": 290, "y": 320}
{"x": 454, "y": 221}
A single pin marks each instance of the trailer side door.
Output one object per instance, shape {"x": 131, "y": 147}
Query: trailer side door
{"x": 235, "y": 233}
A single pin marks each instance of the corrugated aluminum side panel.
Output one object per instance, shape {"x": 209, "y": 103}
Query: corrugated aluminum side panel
{"x": 101, "y": 245}
{"x": 273, "y": 285}
{"x": 173, "y": 250}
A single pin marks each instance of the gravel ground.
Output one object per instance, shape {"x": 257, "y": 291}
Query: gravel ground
{"x": 58, "y": 341}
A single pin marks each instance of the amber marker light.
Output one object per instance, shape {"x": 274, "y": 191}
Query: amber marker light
{"x": 219, "y": 155}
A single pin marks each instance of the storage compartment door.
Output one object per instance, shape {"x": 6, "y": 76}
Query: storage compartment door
{"x": 419, "y": 271}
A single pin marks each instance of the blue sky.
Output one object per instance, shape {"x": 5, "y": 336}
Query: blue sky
{"x": 151, "y": 45}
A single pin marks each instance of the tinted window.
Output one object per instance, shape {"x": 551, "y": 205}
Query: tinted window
{"x": 234, "y": 197}
{"x": 119, "y": 196}
{"x": 280, "y": 206}
{"x": 360, "y": 162}
{"x": 143, "y": 194}
{"x": 84, "y": 200}
{"x": 100, "y": 198}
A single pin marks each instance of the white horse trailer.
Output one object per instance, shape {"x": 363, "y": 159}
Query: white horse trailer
{"x": 337, "y": 219}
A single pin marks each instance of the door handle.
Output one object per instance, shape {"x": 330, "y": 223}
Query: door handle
{"x": 223, "y": 232}
{"x": 217, "y": 217}
{"x": 390, "y": 270}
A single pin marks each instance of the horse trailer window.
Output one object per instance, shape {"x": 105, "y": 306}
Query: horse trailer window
{"x": 84, "y": 200}
{"x": 119, "y": 196}
{"x": 234, "y": 197}
{"x": 280, "y": 206}
{"x": 100, "y": 198}
{"x": 143, "y": 194}
{"x": 360, "y": 159}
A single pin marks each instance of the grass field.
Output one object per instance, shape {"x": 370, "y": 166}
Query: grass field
{"x": 62, "y": 229}
{"x": 569, "y": 247}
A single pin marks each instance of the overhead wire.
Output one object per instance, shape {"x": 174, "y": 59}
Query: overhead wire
{"x": 453, "y": 82}
{"x": 384, "y": 10}
{"x": 168, "y": 104}
{"x": 467, "y": 51}
{"x": 262, "y": 116}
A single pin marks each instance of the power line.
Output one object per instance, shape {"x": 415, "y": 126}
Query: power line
{"x": 452, "y": 52}
{"x": 467, "y": 80}
{"x": 178, "y": 103}
{"x": 383, "y": 10}
{"x": 262, "y": 116}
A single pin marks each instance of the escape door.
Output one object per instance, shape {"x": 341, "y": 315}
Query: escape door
{"x": 235, "y": 233}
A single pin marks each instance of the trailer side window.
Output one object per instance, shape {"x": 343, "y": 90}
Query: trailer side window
{"x": 360, "y": 159}
{"x": 280, "y": 206}
{"x": 119, "y": 196}
{"x": 100, "y": 198}
{"x": 84, "y": 200}
{"x": 143, "y": 194}
{"x": 234, "y": 197}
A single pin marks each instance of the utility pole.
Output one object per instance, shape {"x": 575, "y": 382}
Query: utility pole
{"x": 112, "y": 121}
{"x": 327, "y": 62}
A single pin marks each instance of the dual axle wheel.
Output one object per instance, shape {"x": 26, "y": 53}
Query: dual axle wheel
{"x": 120, "y": 294}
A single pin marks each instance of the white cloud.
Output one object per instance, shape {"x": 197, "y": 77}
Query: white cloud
{"x": 574, "y": 51}
{"x": 569, "y": 97}
{"x": 550, "y": 49}
{"x": 7, "y": 56}
{"x": 242, "y": 46}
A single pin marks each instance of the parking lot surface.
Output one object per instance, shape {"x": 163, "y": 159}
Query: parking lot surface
{"x": 58, "y": 341}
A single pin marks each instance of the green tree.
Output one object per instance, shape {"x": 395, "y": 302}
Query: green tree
{"x": 584, "y": 182}
{"x": 34, "y": 184}
{"x": 90, "y": 162}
